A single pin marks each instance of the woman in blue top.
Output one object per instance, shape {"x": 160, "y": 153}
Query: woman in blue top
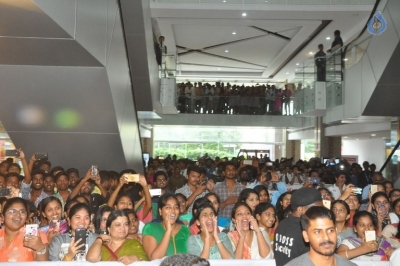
{"x": 167, "y": 237}
{"x": 209, "y": 244}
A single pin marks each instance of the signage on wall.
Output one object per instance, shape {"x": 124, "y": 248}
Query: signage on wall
{"x": 377, "y": 24}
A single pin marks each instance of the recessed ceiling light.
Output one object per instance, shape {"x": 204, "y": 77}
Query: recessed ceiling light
{"x": 345, "y": 59}
{"x": 244, "y": 14}
{"x": 287, "y": 73}
{"x": 224, "y": 1}
{"x": 219, "y": 68}
{"x": 297, "y": 64}
{"x": 310, "y": 52}
{"x": 357, "y": 139}
{"x": 345, "y": 137}
{"x": 234, "y": 33}
{"x": 226, "y": 51}
{"x": 328, "y": 38}
{"x": 373, "y": 135}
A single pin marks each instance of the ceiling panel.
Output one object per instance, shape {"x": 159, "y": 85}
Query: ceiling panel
{"x": 200, "y": 36}
{"x": 259, "y": 51}
{"x": 215, "y": 69}
{"x": 209, "y": 60}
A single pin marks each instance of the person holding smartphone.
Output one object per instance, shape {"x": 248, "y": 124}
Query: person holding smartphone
{"x": 73, "y": 246}
{"x": 17, "y": 245}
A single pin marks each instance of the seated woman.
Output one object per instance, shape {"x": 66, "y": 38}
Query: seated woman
{"x": 184, "y": 216}
{"x": 101, "y": 219}
{"x": 63, "y": 247}
{"x": 51, "y": 222}
{"x": 115, "y": 246}
{"x": 16, "y": 246}
{"x": 262, "y": 193}
{"x": 342, "y": 214}
{"x": 209, "y": 244}
{"x": 266, "y": 217}
{"x": 168, "y": 237}
{"x": 248, "y": 241}
{"x": 133, "y": 232}
{"x": 357, "y": 248}
{"x": 250, "y": 197}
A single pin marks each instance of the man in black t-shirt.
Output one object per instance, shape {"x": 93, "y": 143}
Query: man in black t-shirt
{"x": 288, "y": 240}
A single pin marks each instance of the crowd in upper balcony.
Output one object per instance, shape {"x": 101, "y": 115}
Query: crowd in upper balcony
{"x": 221, "y": 98}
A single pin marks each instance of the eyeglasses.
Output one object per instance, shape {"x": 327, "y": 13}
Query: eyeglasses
{"x": 14, "y": 212}
{"x": 325, "y": 196}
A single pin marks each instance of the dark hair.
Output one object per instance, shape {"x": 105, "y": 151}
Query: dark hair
{"x": 325, "y": 189}
{"x": 156, "y": 174}
{"x": 120, "y": 196}
{"x": 99, "y": 214}
{"x": 59, "y": 174}
{"x": 114, "y": 215}
{"x": 280, "y": 211}
{"x": 216, "y": 196}
{"x": 320, "y": 45}
{"x": 377, "y": 195}
{"x": 346, "y": 206}
{"x": 394, "y": 203}
{"x": 162, "y": 201}
{"x": 38, "y": 172}
{"x": 127, "y": 171}
{"x": 339, "y": 173}
{"x": 393, "y": 191}
{"x": 77, "y": 207}
{"x": 239, "y": 204}
{"x": 184, "y": 260}
{"x": 13, "y": 164}
{"x": 337, "y": 32}
{"x": 229, "y": 163}
{"x": 196, "y": 204}
{"x": 245, "y": 193}
{"x": 42, "y": 162}
{"x": 315, "y": 212}
{"x": 262, "y": 207}
{"x": 194, "y": 168}
{"x": 203, "y": 205}
{"x": 56, "y": 169}
{"x": 68, "y": 204}
{"x": 72, "y": 170}
{"x": 49, "y": 175}
{"x": 130, "y": 211}
{"x": 9, "y": 175}
{"x": 104, "y": 176}
{"x": 43, "y": 204}
{"x": 361, "y": 214}
{"x": 260, "y": 188}
{"x": 81, "y": 197}
{"x": 12, "y": 201}
{"x": 181, "y": 195}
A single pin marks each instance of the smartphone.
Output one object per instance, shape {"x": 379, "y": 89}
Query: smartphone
{"x": 327, "y": 204}
{"x": 31, "y": 229}
{"x": 132, "y": 177}
{"x": 370, "y": 235}
{"x": 374, "y": 189}
{"x": 204, "y": 181}
{"x": 247, "y": 162}
{"x": 41, "y": 155}
{"x": 314, "y": 180}
{"x": 5, "y": 192}
{"x": 12, "y": 153}
{"x": 357, "y": 190}
{"x": 155, "y": 192}
{"x": 102, "y": 231}
{"x": 95, "y": 171}
{"x": 80, "y": 233}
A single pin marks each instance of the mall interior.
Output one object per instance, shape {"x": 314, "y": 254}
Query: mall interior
{"x": 81, "y": 80}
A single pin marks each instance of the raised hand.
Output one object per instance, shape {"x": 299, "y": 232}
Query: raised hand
{"x": 74, "y": 247}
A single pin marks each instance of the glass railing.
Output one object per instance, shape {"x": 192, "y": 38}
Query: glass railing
{"x": 355, "y": 51}
{"x": 272, "y": 2}
{"x": 334, "y": 78}
{"x": 168, "y": 66}
{"x": 235, "y": 105}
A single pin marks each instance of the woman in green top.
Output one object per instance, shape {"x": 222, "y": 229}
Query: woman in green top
{"x": 184, "y": 216}
{"x": 168, "y": 237}
{"x": 115, "y": 246}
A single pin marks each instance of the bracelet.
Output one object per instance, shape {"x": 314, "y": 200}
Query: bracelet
{"x": 42, "y": 252}
{"x": 219, "y": 241}
{"x": 67, "y": 258}
{"x": 101, "y": 239}
{"x": 347, "y": 255}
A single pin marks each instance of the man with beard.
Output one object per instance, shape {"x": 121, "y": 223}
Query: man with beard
{"x": 49, "y": 184}
{"x": 85, "y": 187}
{"x": 288, "y": 240}
{"x": 73, "y": 177}
{"x": 34, "y": 191}
{"x": 319, "y": 231}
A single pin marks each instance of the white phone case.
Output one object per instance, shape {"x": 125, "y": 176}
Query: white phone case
{"x": 31, "y": 229}
{"x": 370, "y": 235}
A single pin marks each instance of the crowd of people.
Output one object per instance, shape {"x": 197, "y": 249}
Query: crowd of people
{"x": 220, "y": 98}
{"x": 208, "y": 209}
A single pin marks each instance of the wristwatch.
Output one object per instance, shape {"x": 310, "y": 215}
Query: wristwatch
{"x": 42, "y": 252}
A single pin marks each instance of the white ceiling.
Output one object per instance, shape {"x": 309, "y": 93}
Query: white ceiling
{"x": 201, "y": 32}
